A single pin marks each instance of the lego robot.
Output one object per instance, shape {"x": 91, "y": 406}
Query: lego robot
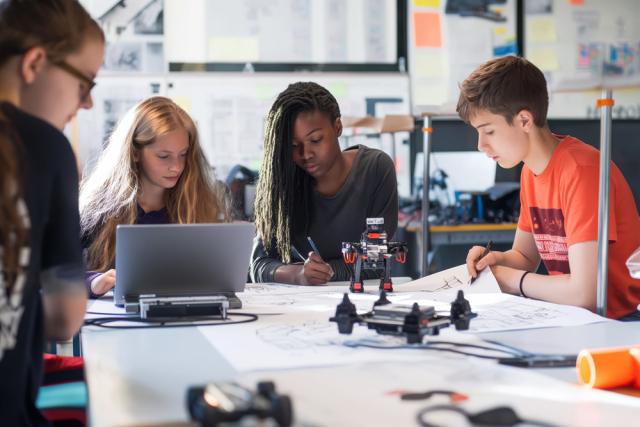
{"x": 373, "y": 252}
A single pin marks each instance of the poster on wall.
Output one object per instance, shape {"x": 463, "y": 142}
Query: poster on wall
{"x": 448, "y": 40}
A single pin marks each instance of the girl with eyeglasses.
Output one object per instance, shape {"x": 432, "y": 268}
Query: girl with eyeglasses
{"x": 50, "y": 52}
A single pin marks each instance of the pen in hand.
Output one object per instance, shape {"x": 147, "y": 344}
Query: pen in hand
{"x": 315, "y": 249}
{"x": 487, "y": 249}
{"x": 297, "y": 253}
{"x": 313, "y": 246}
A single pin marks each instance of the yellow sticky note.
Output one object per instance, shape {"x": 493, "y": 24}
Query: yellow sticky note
{"x": 429, "y": 94}
{"x": 265, "y": 91}
{"x": 545, "y": 58}
{"x": 338, "y": 90}
{"x": 233, "y": 49}
{"x": 426, "y": 3}
{"x": 183, "y": 102}
{"x": 429, "y": 65}
{"x": 542, "y": 30}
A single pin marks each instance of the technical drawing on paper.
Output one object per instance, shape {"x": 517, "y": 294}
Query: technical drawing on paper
{"x": 268, "y": 300}
{"x": 448, "y": 282}
{"x": 305, "y": 336}
{"x": 514, "y": 315}
{"x": 448, "y": 279}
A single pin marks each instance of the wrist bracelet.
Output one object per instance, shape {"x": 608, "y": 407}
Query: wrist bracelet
{"x": 521, "y": 282}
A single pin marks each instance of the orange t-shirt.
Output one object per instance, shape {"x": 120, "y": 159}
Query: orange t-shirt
{"x": 560, "y": 208}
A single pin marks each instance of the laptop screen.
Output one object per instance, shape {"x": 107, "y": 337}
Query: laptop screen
{"x": 181, "y": 259}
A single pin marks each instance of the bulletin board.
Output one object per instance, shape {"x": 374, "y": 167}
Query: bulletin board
{"x": 285, "y": 35}
{"x": 448, "y": 39}
{"x": 582, "y": 44}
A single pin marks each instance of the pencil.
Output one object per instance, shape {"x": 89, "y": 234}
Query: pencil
{"x": 487, "y": 249}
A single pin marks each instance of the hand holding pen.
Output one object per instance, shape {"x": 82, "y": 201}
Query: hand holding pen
{"x": 315, "y": 270}
{"x": 321, "y": 267}
{"x": 477, "y": 260}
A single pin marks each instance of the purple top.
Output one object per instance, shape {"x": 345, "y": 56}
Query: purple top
{"x": 142, "y": 217}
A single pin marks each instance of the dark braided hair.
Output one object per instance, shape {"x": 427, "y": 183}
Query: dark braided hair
{"x": 284, "y": 190}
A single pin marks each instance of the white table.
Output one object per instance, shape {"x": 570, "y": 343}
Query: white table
{"x": 140, "y": 377}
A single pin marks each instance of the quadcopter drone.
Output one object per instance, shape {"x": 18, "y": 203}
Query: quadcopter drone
{"x": 414, "y": 322}
{"x": 373, "y": 252}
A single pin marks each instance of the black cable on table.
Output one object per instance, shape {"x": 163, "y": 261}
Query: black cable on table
{"x": 498, "y": 416}
{"x": 168, "y": 322}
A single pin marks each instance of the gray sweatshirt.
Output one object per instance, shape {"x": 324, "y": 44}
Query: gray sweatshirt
{"x": 370, "y": 191}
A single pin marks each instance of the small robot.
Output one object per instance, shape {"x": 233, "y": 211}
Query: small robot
{"x": 373, "y": 252}
{"x": 413, "y": 322}
{"x": 229, "y": 402}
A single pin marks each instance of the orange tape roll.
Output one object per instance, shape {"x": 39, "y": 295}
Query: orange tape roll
{"x": 609, "y": 368}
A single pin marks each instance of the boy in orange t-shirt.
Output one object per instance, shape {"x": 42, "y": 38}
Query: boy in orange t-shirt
{"x": 506, "y": 101}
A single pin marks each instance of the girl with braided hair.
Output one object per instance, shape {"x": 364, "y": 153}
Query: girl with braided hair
{"x": 308, "y": 187}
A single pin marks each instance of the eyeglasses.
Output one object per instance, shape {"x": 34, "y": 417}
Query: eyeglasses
{"x": 90, "y": 83}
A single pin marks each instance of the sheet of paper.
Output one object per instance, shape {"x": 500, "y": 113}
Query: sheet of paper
{"x": 453, "y": 279}
{"x": 503, "y": 312}
{"x": 301, "y": 339}
{"x": 496, "y": 311}
{"x": 102, "y": 307}
{"x": 546, "y": 58}
{"x": 541, "y": 29}
{"x": 469, "y": 41}
{"x": 427, "y": 93}
{"x": 430, "y": 64}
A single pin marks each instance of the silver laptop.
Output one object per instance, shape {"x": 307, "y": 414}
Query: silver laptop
{"x": 182, "y": 260}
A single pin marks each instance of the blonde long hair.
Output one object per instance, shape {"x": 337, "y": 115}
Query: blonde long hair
{"x": 108, "y": 196}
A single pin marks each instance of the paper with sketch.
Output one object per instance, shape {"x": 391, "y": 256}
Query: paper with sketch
{"x": 296, "y": 339}
{"x": 277, "y": 296}
{"x": 300, "y": 339}
{"x": 503, "y": 312}
{"x": 297, "y": 332}
{"x": 453, "y": 278}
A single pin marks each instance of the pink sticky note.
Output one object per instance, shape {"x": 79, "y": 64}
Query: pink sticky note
{"x": 427, "y": 29}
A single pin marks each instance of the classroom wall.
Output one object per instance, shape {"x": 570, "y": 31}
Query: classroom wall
{"x": 229, "y": 108}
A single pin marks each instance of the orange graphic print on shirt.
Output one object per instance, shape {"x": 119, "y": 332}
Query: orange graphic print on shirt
{"x": 551, "y": 239}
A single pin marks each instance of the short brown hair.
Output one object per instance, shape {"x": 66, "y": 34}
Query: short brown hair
{"x": 59, "y": 26}
{"x": 505, "y": 86}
